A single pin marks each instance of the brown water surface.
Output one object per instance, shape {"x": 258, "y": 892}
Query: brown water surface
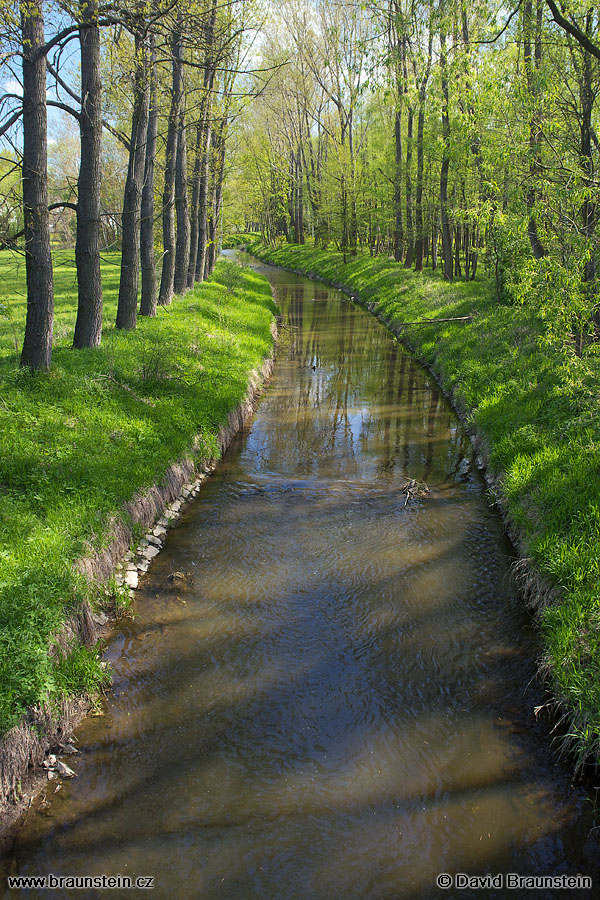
{"x": 335, "y": 701}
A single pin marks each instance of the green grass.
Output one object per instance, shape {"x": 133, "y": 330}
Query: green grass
{"x": 536, "y": 408}
{"x": 77, "y": 443}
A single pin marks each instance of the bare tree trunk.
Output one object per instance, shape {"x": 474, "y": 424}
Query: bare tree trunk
{"x": 420, "y": 236}
{"x": 88, "y": 325}
{"x": 353, "y": 222}
{"x": 291, "y": 198}
{"x": 182, "y": 250}
{"x": 535, "y": 128}
{"x": 408, "y": 259}
{"x": 201, "y": 162}
{"x": 132, "y": 203}
{"x": 398, "y": 229}
{"x": 300, "y": 186}
{"x": 203, "y": 202}
{"x": 420, "y": 231}
{"x": 213, "y": 239}
{"x": 446, "y": 236}
{"x": 457, "y": 243}
{"x": 168, "y": 210}
{"x": 149, "y": 298}
{"x": 37, "y": 346}
{"x": 589, "y": 212}
{"x": 200, "y": 173}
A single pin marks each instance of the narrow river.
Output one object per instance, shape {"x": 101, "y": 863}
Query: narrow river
{"x": 331, "y": 698}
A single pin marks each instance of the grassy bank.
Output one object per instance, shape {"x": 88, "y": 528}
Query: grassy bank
{"x": 76, "y": 444}
{"x": 535, "y": 407}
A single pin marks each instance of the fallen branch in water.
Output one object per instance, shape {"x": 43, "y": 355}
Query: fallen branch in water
{"x": 414, "y": 488}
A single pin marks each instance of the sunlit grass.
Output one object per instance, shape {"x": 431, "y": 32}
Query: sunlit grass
{"x": 536, "y": 408}
{"x": 77, "y": 443}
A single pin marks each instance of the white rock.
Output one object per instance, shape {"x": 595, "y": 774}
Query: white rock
{"x": 151, "y": 552}
{"x": 131, "y": 579}
{"x": 159, "y": 531}
{"x": 100, "y": 618}
{"x": 154, "y": 540}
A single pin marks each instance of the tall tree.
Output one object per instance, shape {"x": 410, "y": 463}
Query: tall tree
{"x": 88, "y": 325}
{"x": 132, "y": 202}
{"x": 148, "y": 258}
{"x": 37, "y": 346}
{"x": 446, "y": 238}
{"x": 168, "y": 201}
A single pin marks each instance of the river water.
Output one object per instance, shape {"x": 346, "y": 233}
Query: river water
{"x": 326, "y": 689}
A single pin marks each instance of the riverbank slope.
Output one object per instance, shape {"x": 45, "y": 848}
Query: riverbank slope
{"x": 531, "y": 408}
{"x": 89, "y": 454}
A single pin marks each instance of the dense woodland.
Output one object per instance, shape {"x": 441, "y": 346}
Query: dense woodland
{"x": 460, "y": 136}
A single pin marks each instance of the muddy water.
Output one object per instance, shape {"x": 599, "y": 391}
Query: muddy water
{"x": 330, "y": 700}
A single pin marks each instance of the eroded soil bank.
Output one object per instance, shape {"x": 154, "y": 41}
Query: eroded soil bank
{"x": 327, "y": 688}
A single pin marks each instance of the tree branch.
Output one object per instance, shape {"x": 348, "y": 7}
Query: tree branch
{"x": 572, "y": 29}
{"x": 14, "y": 118}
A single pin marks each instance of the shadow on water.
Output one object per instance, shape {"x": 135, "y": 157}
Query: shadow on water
{"x": 334, "y": 698}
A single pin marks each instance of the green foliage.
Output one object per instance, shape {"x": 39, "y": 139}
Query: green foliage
{"x": 237, "y": 240}
{"x": 77, "y": 443}
{"x": 535, "y": 406}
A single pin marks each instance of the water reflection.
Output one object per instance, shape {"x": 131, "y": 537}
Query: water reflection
{"x": 331, "y": 701}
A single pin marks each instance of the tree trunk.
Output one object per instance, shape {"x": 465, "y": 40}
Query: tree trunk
{"x": 589, "y": 214}
{"x": 353, "y": 223}
{"x": 446, "y": 236}
{"x": 217, "y": 198}
{"x": 532, "y": 66}
{"x": 300, "y": 196}
{"x": 201, "y": 163}
{"x": 168, "y": 210}
{"x": 132, "y": 203}
{"x": 200, "y": 175}
{"x": 203, "y": 202}
{"x": 420, "y": 236}
{"x": 88, "y": 325}
{"x": 182, "y": 250}
{"x": 398, "y": 230}
{"x": 37, "y": 346}
{"x": 149, "y": 298}
{"x": 291, "y": 198}
{"x": 420, "y": 230}
{"x": 408, "y": 259}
